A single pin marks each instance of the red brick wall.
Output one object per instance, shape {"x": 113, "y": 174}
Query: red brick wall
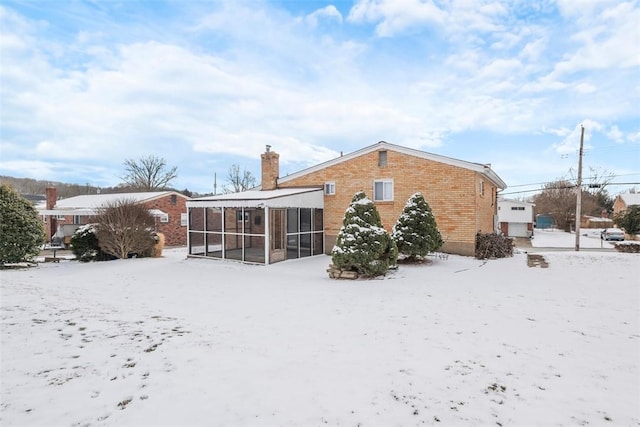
{"x": 451, "y": 191}
{"x": 174, "y": 233}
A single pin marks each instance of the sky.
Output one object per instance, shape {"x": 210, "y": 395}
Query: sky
{"x": 86, "y": 85}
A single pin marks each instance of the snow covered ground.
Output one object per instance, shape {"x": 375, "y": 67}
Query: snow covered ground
{"x": 552, "y": 238}
{"x": 188, "y": 342}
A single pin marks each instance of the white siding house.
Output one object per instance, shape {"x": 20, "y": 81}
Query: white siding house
{"x": 515, "y": 218}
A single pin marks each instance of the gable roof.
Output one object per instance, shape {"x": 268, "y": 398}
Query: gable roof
{"x": 484, "y": 169}
{"x": 630, "y": 199}
{"x": 91, "y": 201}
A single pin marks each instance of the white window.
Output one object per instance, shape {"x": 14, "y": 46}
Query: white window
{"x": 61, "y": 217}
{"x": 383, "y": 190}
{"x": 164, "y": 217}
{"x": 329, "y": 188}
{"x": 184, "y": 219}
{"x": 481, "y": 188}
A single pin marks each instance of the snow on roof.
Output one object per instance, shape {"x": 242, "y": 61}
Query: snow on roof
{"x": 259, "y": 194}
{"x": 382, "y": 145}
{"x": 630, "y": 198}
{"x": 99, "y": 200}
{"x": 308, "y": 197}
{"x": 515, "y": 202}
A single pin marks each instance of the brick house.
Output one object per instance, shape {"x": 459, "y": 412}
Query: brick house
{"x": 625, "y": 200}
{"x": 302, "y": 212}
{"x": 62, "y": 217}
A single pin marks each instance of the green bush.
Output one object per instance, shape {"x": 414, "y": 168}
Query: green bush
{"x": 21, "y": 229}
{"x": 363, "y": 245}
{"x": 84, "y": 245}
{"x": 416, "y": 232}
{"x": 492, "y": 245}
{"x": 629, "y": 220}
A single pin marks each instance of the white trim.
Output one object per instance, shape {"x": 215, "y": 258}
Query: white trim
{"x": 331, "y": 185}
{"x": 484, "y": 169}
{"x": 383, "y": 181}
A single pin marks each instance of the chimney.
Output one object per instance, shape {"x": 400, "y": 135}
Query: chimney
{"x": 52, "y": 196}
{"x": 270, "y": 169}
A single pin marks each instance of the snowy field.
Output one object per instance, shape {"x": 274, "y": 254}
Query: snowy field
{"x": 188, "y": 342}
{"x": 552, "y": 238}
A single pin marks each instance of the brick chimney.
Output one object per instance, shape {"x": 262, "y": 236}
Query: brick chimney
{"x": 52, "y": 196}
{"x": 270, "y": 169}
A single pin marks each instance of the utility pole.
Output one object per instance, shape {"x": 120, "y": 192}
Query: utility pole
{"x": 579, "y": 191}
{"x": 215, "y": 184}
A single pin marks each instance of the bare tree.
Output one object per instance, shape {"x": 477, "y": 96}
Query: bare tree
{"x": 148, "y": 173}
{"x": 238, "y": 181}
{"x": 125, "y": 227}
{"x": 557, "y": 198}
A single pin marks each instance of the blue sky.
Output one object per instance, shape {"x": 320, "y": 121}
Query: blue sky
{"x": 206, "y": 84}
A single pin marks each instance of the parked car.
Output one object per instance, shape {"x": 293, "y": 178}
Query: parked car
{"x": 612, "y": 234}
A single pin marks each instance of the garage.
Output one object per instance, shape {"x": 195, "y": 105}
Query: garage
{"x": 518, "y": 229}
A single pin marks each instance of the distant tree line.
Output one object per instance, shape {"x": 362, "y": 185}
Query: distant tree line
{"x": 149, "y": 173}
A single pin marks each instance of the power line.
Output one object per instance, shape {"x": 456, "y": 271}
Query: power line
{"x": 559, "y": 188}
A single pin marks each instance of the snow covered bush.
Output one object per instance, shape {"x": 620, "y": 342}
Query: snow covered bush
{"x": 21, "y": 230}
{"x": 84, "y": 245}
{"x": 416, "y": 232}
{"x": 492, "y": 245}
{"x": 363, "y": 245}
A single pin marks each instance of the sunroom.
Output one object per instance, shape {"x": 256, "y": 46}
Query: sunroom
{"x": 261, "y": 227}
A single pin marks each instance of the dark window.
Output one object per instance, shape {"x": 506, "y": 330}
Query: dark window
{"x": 305, "y": 220}
{"x": 382, "y": 158}
{"x": 292, "y": 220}
{"x": 173, "y": 199}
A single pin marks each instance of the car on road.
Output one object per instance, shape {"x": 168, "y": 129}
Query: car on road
{"x": 612, "y": 234}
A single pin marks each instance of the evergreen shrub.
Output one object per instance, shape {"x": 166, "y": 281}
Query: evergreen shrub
{"x": 84, "y": 245}
{"x": 416, "y": 232}
{"x": 363, "y": 245}
{"x": 21, "y": 229}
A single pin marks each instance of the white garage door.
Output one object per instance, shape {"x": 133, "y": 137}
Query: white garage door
{"x": 518, "y": 229}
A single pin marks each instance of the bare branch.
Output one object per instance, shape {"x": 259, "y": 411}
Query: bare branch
{"x": 238, "y": 180}
{"x": 148, "y": 173}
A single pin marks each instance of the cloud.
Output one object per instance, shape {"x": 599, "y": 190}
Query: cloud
{"x": 233, "y": 76}
{"x": 615, "y": 134}
{"x": 571, "y": 143}
{"x": 327, "y": 12}
{"x": 394, "y": 16}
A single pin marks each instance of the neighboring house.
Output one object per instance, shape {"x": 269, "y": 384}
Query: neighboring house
{"x": 515, "y": 218}
{"x": 35, "y": 199}
{"x": 625, "y": 200}
{"x": 63, "y": 217}
{"x": 300, "y": 214}
{"x": 587, "y": 221}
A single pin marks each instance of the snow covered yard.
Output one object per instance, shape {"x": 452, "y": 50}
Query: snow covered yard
{"x": 175, "y": 341}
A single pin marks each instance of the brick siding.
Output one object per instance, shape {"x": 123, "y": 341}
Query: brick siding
{"x": 452, "y": 192}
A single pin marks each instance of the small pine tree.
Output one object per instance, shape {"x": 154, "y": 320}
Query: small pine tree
{"x": 21, "y": 230}
{"x": 416, "y": 232}
{"x": 363, "y": 245}
{"x": 629, "y": 220}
